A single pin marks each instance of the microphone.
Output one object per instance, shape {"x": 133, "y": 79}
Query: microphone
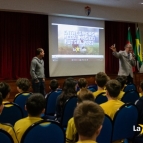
{"x": 133, "y": 55}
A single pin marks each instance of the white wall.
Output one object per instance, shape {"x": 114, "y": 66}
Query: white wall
{"x": 55, "y": 7}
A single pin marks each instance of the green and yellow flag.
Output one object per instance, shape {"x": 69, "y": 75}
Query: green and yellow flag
{"x": 129, "y": 37}
{"x": 138, "y": 49}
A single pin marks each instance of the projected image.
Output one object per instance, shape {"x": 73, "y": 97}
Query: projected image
{"x": 78, "y": 40}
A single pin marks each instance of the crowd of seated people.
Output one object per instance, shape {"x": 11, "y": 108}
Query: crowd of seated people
{"x": 36, "y": 104}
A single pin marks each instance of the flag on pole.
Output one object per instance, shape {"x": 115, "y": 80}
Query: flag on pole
{"x": 138, "y": 49}
{"x": 129, "y": 37}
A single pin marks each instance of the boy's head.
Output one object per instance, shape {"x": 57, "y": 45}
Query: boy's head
{"x": 5, "y": 90}
{"x": 82, "y": 83}
{"x": 35, "y": 104}
{"x": 53, "y": 84}
{"x": 85, "y": 94}
{"x": 113, "y": 88}
{"x": 23, "y": 85}
{"x": 69, "y": 85}
{"x": 101, "y": 79}
{"x": 122, "y": 81}
{"x": 1, "y": 105}
{"x": 88, "y": 118}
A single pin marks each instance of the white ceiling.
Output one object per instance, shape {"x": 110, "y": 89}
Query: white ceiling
{"x": 128, "y": 4}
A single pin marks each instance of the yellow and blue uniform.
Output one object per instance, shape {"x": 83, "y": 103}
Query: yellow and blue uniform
{"x": 140, "y": 95}
{"x": 87, "y": 141}
{"x": 71, "y": 132}
{"x": 111, "y": 106}
{"x": 23, "y": 93}
{"x": 120, "y": 95}
{"x": 96, "y": 93}
{"x": 9, "y": 128}
{"x": 22, "y": 125}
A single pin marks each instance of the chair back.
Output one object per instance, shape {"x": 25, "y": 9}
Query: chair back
{"x": 124, "y": 120}
{"x": 11, "y": 113}
{"x": 130, "y": 86}
{"x": 105, "y": 135}
{"x": 101, "y": 98}
{"x": 5, "y": 137}
{"x": 130, "y": 96}
{"x": 21, "y": 99}
{"x": 44, "y": 132}
{"x": 51, "y": 102}
{"x": 94, "y": 86}
{"x": 68, "y": 110}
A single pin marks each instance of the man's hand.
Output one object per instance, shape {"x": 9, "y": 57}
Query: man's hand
{"x": 43, "y": 79}
{"x": 36, "y": 81}
{"x": 113, "y": 48}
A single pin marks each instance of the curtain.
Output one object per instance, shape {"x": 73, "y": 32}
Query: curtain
{"x": 116, "y": 33}
{"x": 20, "y": 35}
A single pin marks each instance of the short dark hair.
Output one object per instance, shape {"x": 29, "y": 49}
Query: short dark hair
{"x": 101, "y": 79}
{"x": 54, "y": 84}
{"x": 121, "y": 80}
{"x": 88, "y": 117}
{"x": 82, "y": 83}
{"x": 113, "y": 87}
{"x": 4, "y": 89}
{"x": 85, "y": 94}
{"x": 35, "y": 104}
{"x": 23, "y": 84}
{"x": 38, "y": 51}
{"x": 1, "y": 99}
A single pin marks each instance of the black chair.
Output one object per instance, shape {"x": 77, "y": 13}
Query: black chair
{"x": 105, "y": 135}
{"x": 130, "y": 96}
{"x": 101, "y": 98}
{"x": 92, "y": 88}
{"x": 44, "y": 131}
{"x": 5, "y": 137}
{"x": 21, "y": 99}
{"x": 124, "y": 120}
{"x": 129, "y": 87}
{"x": 51, "y": 103}
{"x": 11, "y": 113}
{"x": 68, "y": 110}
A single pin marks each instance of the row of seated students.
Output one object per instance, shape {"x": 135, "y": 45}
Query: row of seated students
{"x": 113, "y": 89}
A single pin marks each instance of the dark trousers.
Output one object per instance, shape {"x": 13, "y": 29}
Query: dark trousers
{"x": 38, "y": 87}
{"x": 129, "y": 79}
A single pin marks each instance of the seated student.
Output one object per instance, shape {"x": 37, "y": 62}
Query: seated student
{"x": 100, "y": 79}
{"x": 141, "y": 89}
{"x": 35, "y": 106}
{"x": 125, "y": 80}
{"x": 139, "y": 105}
{"x": 113, "y": 104}
{"x": 53, "y": 86}
{"x": 23, "y": 85}
{"x": 82, "y": 83}
{"x": 122, "y": 82}
{"x": 5, "y": 91}
{"x": 71, "y": 132}
{"x": 69, "y": 90}
{"x": 88, "y": 118}
{"x": 7, "y": 127}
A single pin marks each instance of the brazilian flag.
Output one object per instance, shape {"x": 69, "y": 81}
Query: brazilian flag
{"x": 138, "y": 49}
